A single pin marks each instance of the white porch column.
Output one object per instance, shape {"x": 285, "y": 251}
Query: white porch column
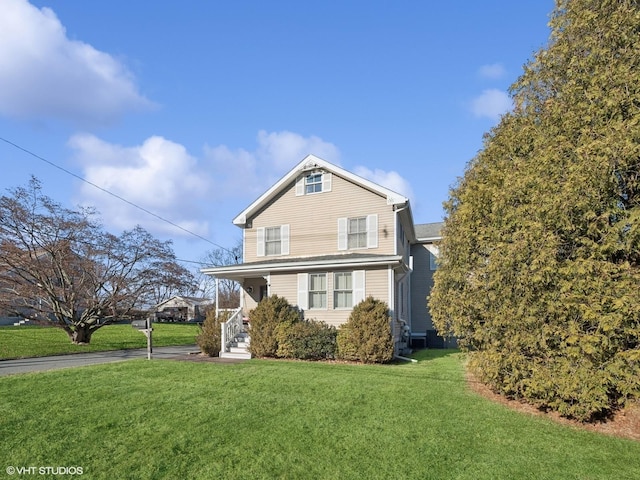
{"x": 217, "y": 297}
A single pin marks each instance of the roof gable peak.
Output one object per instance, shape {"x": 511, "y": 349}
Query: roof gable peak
{"x": 312, "y": 162}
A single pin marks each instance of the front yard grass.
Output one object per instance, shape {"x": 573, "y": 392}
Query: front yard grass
{"x": 33, "y": 341}
{"x": 292, "y": 420}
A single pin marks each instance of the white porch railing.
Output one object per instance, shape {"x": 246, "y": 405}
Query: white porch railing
{"x": 230, "y": 329}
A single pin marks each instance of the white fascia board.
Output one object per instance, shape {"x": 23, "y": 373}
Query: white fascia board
{"x": 307, "y": 264}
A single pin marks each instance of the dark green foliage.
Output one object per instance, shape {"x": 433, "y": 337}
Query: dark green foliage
{"x": 210, "y": 337}
{"x": 264, "y": 320}
{"x": 306, "y": 340}
{"x": 367, "y": 337}
{"x": 539, "y": 271}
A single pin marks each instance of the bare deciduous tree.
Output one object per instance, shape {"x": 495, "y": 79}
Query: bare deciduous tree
{"x": 59, "y": 265}
{"x": 229, "y": 291}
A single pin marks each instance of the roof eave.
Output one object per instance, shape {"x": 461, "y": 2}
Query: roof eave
{"x": 306, "y": 264}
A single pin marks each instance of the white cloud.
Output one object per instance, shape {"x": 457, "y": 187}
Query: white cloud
{"x": 388, "y": 179}
{"x": 196, "y": 193}
{"x": 159, "y": 176}
{"x": 162, "y": 177}
{"x": 252, "y": 172}
{"x": 492, "y": 104}
{"x": 44, "y": 74}
{"x": 285, "y": 149}
{"x": 492, "y": 71}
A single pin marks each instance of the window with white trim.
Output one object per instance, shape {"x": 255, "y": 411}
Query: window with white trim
{"x": 348, "y": 289}
{"x": 313, "y": 183}
{"x": 342, "y": 290}
{"x": 316, "y": 182}
{"x": 272, "y": 240}
{"x": 358, "y": 232}
{"x": 317, "y": 290}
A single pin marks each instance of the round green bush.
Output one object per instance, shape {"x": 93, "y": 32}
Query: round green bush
{"x": 210, "y": 336}
{"x": 263, "y": 322}
{"x": 367, "y": 337}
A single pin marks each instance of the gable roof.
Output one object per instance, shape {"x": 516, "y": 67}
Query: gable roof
{"x": 311, "y": 162}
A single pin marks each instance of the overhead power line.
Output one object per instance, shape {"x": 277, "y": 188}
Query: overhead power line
{"x": 68, "y": 172}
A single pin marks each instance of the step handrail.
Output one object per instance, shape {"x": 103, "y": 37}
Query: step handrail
{"x": 230, "y": 329}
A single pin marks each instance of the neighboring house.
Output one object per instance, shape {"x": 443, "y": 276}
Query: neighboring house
{"x": 325, "y": 239}
{"x": 182, "y": 309}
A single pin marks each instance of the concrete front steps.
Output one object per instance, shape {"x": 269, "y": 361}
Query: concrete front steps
{"x": 239, "y": 348}
{"x": 21, "y": 322}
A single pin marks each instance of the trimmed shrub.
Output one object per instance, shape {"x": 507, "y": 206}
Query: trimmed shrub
{"x": 367, "y": 337}
{"x": 210, "y": 336}
{"x": 306, "y": 340}
{"x": 264, "y": 319}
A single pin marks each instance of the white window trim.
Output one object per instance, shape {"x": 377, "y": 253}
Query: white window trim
{"x": 357, "y": 288}
{"x": 326, "y": 291}
{"x": 325, "y": 182}
{"x": 261, "y": 241}
{"x": 372, "y": 232}
{"x": 335, "y": 290}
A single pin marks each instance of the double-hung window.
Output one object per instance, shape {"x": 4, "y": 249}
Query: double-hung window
{"x": 358, "y": 232}
{"x": 315, "y": 290}
{"x": 343, "y": 290}
{"x": 272, "y": 240}
{"x": 318, "y": 290}
{"x": 313, "y": 183}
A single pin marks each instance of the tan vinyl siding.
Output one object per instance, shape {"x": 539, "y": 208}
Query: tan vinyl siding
{"x": 313, "y": 220}
{"x": 286, "y": 285}
{"x": 251, "y": 299}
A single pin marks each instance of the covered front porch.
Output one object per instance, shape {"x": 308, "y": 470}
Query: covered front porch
{"x": 235, "y": 338}
{"x": 372, "y": 275}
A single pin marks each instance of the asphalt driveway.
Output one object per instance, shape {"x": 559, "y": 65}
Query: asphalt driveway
{"x": 25, "y": 365}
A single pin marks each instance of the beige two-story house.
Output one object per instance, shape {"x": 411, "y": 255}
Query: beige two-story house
{"x": 325, "y": 239}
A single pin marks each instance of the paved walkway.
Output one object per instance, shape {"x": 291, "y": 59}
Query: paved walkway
{"x": 25, "y": 365}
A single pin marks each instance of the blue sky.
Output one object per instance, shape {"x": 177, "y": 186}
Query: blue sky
{"x": 191, "y": 109}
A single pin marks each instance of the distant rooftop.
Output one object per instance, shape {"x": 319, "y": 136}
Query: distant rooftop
{"x": 425, "y": 231}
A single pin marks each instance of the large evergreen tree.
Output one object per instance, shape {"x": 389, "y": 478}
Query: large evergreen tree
{"x": 539, "y": 272}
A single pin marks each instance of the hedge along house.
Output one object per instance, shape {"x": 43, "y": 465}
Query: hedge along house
{"x": 325, "y": 239}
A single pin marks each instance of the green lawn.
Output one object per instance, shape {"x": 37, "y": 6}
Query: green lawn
{"x": 29, "y": 341}
{"x": 292, "y": 420}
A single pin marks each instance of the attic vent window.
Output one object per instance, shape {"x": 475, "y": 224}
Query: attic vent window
{"x": 313, "y": 183}
{"x": 316, "y": 182}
